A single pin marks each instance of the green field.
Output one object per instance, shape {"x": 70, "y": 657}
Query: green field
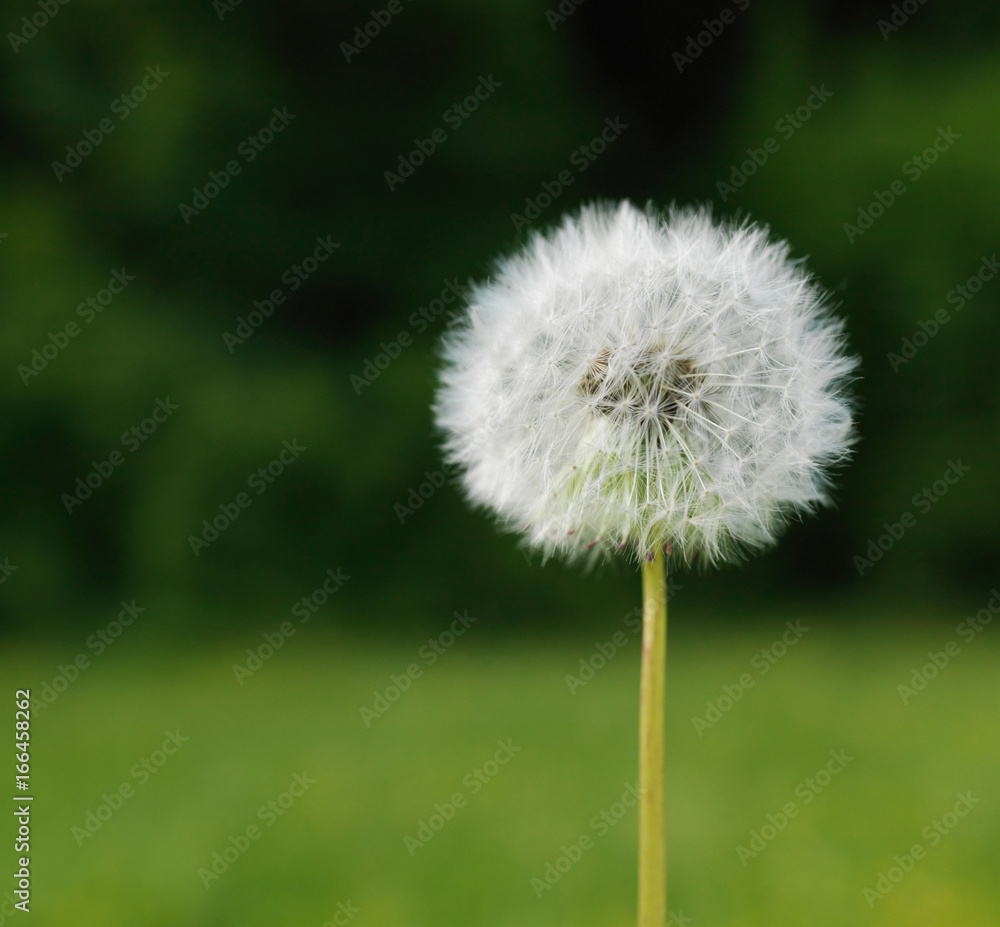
{"x": 570, "y": 757}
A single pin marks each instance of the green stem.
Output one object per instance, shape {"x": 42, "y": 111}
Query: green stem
{"x": 652, "y": 827}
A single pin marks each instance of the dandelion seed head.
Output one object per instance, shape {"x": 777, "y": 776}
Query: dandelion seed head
{"x": 634, "y": 380}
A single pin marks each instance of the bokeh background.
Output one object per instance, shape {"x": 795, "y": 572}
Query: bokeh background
{"x": 820, "y": 120}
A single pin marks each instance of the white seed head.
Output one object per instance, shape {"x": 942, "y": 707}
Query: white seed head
{"x": 633, "y": 380}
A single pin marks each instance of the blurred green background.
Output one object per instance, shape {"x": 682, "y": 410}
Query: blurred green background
{"x": 263, "y": 131}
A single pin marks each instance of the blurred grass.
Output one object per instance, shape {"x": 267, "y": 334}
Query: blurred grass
{"x": 343, "y": 839}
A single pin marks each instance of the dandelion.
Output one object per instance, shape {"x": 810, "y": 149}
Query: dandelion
{"x": 652, "y": 385}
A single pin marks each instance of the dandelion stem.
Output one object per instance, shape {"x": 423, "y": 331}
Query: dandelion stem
{"x": 652, "y": 825}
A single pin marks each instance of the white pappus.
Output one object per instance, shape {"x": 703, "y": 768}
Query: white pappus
{"x": 634, "y": 379}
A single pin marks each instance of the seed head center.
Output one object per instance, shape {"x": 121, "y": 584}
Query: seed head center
{"x": 656, "y": 386}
